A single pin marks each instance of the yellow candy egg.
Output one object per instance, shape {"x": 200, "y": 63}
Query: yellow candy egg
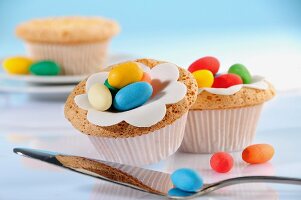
{"x": 100, "y": 97}
{"x": 124, "y": 74}
{"x": 204, "y": 78}
{"x": 17, "y": 65}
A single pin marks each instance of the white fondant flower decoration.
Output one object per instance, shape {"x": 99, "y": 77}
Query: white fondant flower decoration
{"x": 258, "y": 82}
{"x": 167, "y": 90}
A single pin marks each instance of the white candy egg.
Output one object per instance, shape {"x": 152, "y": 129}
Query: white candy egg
{"x": 100, "y": 97}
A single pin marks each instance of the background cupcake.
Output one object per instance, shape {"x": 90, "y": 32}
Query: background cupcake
{"x": 143, "y": 135}
{"x": 228, "y": 106}
{"x": 78, "y": 44}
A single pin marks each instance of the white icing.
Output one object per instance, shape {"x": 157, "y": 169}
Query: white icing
{"x": 164, "y": 76}
{"x": 258, "y": 82}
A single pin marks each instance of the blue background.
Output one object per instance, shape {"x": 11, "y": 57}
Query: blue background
{"x": 143, "y": 19}
{"x": 262, "y": 34}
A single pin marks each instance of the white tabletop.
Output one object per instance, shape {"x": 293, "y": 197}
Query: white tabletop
{"x": 39, "y": 123}
{"x": 26, "y": 122}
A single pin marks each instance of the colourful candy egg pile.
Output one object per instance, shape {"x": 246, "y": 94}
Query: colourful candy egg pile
{"x": 126, "y": 88}
{"x": 205, "y": 71}
{"x": 23, "y": 66}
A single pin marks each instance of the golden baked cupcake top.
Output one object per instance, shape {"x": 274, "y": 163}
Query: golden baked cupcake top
{"x": 78, "y": 116}
{"x": 243, "y": 98}
{"x": 68, "y": 30}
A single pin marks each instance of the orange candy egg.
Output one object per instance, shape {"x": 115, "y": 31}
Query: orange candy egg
{"x": 146, "y": 78}
{"x": 258, "y": 153}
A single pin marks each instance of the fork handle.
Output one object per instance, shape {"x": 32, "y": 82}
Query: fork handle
{"x": 262, "y": 179}
{"x": 253, "y": 179}
{"x": 239, "y": 180}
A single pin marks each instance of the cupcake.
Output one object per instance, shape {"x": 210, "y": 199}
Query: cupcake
{"x": 78, "y": 44}
{"x": 227, "y": 109}
{"x": 142, "y": 134}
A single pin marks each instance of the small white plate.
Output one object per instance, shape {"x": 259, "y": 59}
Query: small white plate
{"x": 53, "y": 89}
{"x": 43, "y": 79}
{"x": 47, "y": 92}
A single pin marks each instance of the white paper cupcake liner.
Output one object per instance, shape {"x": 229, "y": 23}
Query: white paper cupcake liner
{"x": 74, "y": 59}
{"x": 209, "y": 131}
{"x": 142, "y": 150}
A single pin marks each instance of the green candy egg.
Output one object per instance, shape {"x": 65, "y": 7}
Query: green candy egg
{"x": 241, "y": 71}
{"x": 111, "y": 88}
{"x": 45, "y": 68}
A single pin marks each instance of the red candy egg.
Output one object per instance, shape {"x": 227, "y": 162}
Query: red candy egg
{"x": 221, "y": 162}
{"x": 226, "y": 80}
{"x": 208, "y": 62}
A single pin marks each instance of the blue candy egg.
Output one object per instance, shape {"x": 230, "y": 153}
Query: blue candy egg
{"x": 187, "y": 180}
{"x": 175, "y": 192}
{"x": 132, "y": 96}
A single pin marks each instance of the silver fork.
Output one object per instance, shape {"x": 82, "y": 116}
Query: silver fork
{"x": 145, "y": 180}
{"x": 207, "y": 188}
